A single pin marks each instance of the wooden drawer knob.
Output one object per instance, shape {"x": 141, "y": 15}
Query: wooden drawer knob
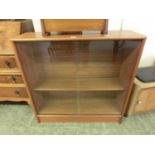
{"x": 8, "y": 64}
{"x": 17, "y": 92}
{"x": 13, "y": 79}
{"x": 139, "y": 102}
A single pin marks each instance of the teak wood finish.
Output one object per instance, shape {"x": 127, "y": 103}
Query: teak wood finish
{"x": 80, "y": 77}
{"x": 142, "y": 97}
{"x": 12, "y": 83}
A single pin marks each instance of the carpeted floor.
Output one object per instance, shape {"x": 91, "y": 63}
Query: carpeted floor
{"x": 19, "y": 119}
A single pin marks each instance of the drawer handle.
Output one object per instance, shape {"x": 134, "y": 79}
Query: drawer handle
{"x": 139, "y": 102}
{"x": 13, "y": 79}
{"x": 17, "y": 92}
{"x": 8, "y": 64}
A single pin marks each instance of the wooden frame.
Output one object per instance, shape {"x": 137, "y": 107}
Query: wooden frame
{"x": 32, "y": 48}
{"x": 74, "y": 25}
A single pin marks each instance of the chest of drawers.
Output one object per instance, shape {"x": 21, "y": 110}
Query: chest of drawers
{"x": 12, "y": 83}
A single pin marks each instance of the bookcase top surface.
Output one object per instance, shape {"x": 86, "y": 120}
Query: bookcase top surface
{"x": 112, "y": 35}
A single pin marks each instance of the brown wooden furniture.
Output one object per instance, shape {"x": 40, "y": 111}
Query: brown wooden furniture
{"x": 142, "y": 98}
{"x": 74, "y": 25}
{"x": 12, "y": 84}
{"x": 80, "y": 77}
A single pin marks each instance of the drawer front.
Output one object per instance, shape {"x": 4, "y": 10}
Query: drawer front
{"x": 13, "y": 92}
{"x": 11, "y": 79}
{"x": 7, "y": 62}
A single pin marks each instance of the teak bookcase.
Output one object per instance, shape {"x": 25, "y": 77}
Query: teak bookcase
{"x": 80, "y": 77}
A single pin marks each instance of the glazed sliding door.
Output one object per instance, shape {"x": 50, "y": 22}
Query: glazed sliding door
{"x": 51, "y": 70}
{"x": 99, "y": 86}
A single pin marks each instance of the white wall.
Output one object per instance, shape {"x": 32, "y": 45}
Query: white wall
{"x": 37, "y": 26}
{"x": 144, "y": 26}
{"x": 147, "y": 27}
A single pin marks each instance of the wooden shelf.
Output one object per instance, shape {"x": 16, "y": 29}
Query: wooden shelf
{"x": 98, "y": 106}
{"x": 99, "y": 84}
{"x": 59, "y": 106}
{"x": 56, "y": 85}
{"x": 82, "y": 69}
{"x": 73, "y": 106}
{"x": 82, "y": 84}
{"x": 71, "y": 64}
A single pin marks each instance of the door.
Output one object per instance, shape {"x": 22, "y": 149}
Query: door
{"x": 146, "y": 100}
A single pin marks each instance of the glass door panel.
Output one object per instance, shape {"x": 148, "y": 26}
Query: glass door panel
{"x": 98, "y": 78}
